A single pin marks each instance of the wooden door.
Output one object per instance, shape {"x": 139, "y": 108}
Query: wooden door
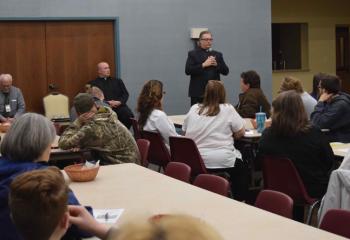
{"x": 343, "y": 56}
{"x": 73, "y": 51}
{"x": 22, "y": 48}
{"x": 63, "y": 54}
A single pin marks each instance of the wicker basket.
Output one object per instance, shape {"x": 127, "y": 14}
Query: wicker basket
{"x": 4, "y": 127}
{"x": 79, "y": 174}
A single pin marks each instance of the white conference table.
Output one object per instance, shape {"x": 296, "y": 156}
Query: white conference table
{"x": 142, "y": 192}
{"x": 250, "y": 132}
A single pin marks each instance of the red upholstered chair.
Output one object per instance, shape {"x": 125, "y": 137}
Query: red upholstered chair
{"x": 135, "y": 128}
{"x": 185, "y": 150}
{"x": 275, "y": 202}
{"x": 281, "y": 175}
{"x": 158, "y": 153}
{"x": 337, "y": 221}
{"x": 213, "y": 183}
{"x": 178, "y": 170}
{"x": 143, "y": 146}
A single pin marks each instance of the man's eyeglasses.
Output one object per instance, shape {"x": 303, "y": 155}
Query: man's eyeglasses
{"x": 206, "y": 39}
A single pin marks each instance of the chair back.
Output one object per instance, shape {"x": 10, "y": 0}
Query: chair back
{"x": 185, "y": 150}
{"x": 178, "y": 170}
{"x": 135, "y": 128}
{"x": 275, "y": 202}
{"x": 158, "y": 153}
{"x": 212, "y": 183}
{"x": 143, "y": 146}
{"x": 337, "y": 221}
{"x": 56, "y": 106}
{"x": 281, "y": 175}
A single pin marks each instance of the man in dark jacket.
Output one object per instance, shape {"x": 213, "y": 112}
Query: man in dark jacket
{"x": 203, "y": 64}
{"x": 332, "y": 111}
{"x": 115, "y": 93}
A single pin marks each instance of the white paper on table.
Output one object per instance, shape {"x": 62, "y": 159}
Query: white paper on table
{"x": 249, "y": 132}
{"x": 107, "y": 215}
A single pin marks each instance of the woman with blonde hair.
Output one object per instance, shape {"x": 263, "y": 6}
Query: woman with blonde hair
{"x": 167, "y": 227}
{"x": 213, "y": 125}
{"x": 291, "y": 83}
{"x": 150, "y": 109}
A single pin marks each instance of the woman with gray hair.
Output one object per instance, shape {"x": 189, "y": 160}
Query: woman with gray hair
{"x": 25, "y": 147}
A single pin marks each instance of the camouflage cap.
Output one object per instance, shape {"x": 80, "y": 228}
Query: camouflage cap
{"x": 83, "y": 102}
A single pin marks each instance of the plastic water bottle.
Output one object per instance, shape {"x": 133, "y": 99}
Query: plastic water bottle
{"x": 260, "y": 118}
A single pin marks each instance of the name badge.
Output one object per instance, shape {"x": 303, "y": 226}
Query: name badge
{"x": 7, "y": 108}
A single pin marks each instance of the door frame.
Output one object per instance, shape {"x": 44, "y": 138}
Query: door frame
{"x": 115, "y": 23}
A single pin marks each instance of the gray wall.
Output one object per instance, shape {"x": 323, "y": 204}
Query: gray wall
{"x": 155, "y": 38}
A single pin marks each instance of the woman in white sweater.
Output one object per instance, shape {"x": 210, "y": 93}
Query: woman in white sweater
{"x": 213, "y": 126}
{"x": 150, "y": 109}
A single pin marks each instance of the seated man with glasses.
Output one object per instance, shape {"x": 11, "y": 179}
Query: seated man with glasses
{"x": 332, "y": 111}
{"x": 203, "y": 64}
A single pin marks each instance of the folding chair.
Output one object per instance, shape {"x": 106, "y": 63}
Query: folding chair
{"x": 337, "y": 221}
{"x": 143, "y": 146}
{"x": 158, "y": 153}
{"x": 281, "y": 175}
{"x": 275, "y": 202}
{"x": 135, "y": 128}
{"x": 213, "y": 183}
{"x": 185, "y": 150}
{"x": 179, "y": 171}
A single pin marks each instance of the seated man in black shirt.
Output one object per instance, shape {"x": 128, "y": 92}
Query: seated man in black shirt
{"x": 115, "y": 93}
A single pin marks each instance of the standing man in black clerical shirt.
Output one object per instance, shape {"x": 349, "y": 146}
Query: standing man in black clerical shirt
{"x": 115, "y": 93}
{"x": 203, "y": 64}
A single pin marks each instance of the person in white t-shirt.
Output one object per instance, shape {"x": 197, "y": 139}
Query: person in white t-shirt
{"x": 213, "y": 125}
{"x": 150, "y": 108}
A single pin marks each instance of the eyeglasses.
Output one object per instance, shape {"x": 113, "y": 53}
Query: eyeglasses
{"x": 206, "y": 39}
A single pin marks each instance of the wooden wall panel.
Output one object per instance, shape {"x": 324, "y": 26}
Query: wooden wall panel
{"x": 73, "y": 50}
{"x": 22, "y": 48}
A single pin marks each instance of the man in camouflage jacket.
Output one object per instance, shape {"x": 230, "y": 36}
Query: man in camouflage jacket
{"x": 98, "y": 129}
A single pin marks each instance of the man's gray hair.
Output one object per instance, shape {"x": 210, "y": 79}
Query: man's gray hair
{"x": 5, "y": 76}
{"x": 28, "y": 138}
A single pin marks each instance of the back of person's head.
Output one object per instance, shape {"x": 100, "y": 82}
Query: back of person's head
{"x": 97, "y": 93}
{"x": 291, "y": 83}
{"x": 168, "y": 227}
{"x": 252, "y": 78}
{"x": 38, "y": 202}
{"x": 289, "y": 117}
{"x": 331, "y": 83}
{"x": 214, "y": 95}
{"x": 83, "y": 102}
{"x": 150, "y": 98}
{"x": 28, "y": 138}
